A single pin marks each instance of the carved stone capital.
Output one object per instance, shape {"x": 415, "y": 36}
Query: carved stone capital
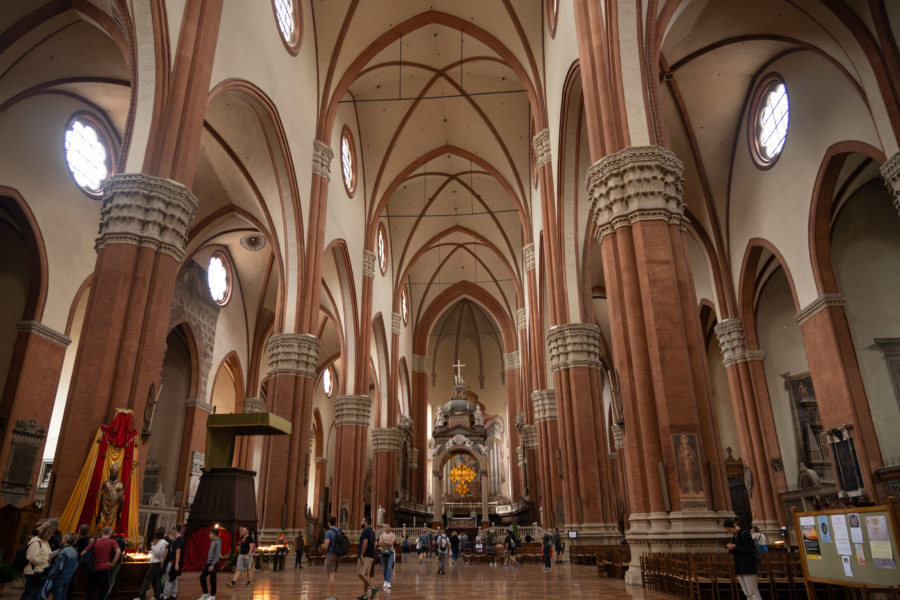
{"x": 41, "y": 330}
{"x": 520, "y": 457}
{"x": 574, "y": 345}
{"x": 419, "y": 363}
{"x": 544, "y": 405}
{"x": 369, "y": 260}
{"x": 199, "y": 404}
{"x": 413, "y": 458}
{"x": 321, "y": 460}
{"x": 529, "y": 437}
{"x": 528, "y": 257}
{"x": 639, "y": 183}
{"x": 396, "y": 323}
{"x": 521, "y": 319}
{"x": 890, "y": 171}
{"x": 352, "y": 410}
{"x": 618, "y": 436}
{"x": 254, "y": 405}
{"x": 818, "y": 305}
{"x": 730, "y": 333}
{"x": 293, "y": 354}
{"x": 146, "y": 211}
{"x": 386, "y": 439}
{"x": 322, "y": 156}
{"x": 511, "y": 361}
{"x": 541, "y": 143}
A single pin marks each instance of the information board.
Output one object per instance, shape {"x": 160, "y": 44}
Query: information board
{"x": 850, "y": 546}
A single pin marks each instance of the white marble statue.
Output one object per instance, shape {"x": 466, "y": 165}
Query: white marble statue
{"x": 379, "y": 519}
{"x": 479, "y": 417}
{"x": 439, "y": 418}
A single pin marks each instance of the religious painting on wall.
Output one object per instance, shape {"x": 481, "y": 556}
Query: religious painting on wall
{"x": 687, "y": 462}
{"x": 807, "y": 424}
{"x": 344, "y": 514}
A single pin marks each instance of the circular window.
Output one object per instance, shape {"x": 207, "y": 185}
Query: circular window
{"x": 328, "y": 381}
{"x": 348, "y": 161}
{"x": 382, "y": 250}
{"x": 404, "y": 306}
{"x": 218, "y": 275}
{"x": 771, "y": 111}
{"x": 286, "y": 15}
{"x": 87, "y": 154}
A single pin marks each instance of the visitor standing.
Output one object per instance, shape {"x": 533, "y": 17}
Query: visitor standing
{"x": 442, "y": 548}
{"x": 366, "y": 559}
{"x": 107, "y": 554}
{"x": 212, "y": 565}
{"x": 64, "y": 566}
{"x": 152, "y": 576}
{"x": 454, "y": 546}
{"x": 246, "y": 548}
{"x": 558, "y": 545}
{"x": 547, "y": 549}
{"x": 760, "y": 539}
{"x": 509, "y": 544}
{"x": 299, "y": 544}
{"x": 386, "y": 543}
{"x": 172, "y": 565}
{"x": 38, "y": 554}
{"x": 404, "y": 548}
{"x": 331, "y": 558}
{"x": 743, "y": 550}
{"x": 422, "y": 545}
{"x": 83, "y": 539}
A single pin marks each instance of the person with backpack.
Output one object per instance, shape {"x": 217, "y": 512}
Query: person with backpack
{"x": 743, "y": 549}
{"x": 422, "y": 545}
{"x": 37, "y": 561}
{"x": 454, "y": 547}
{"x": 442, "y": 548}
{"x": 63, "y": 569}
{"x": 547, "y": 549}
{"x": 509, "y": 544}
{"x": 98, "y": 558}
{"x": 366, "y": 560}
{"x": 558, "y": 546}
{"x": 334, "y": 540}
{"x": 760, "y": 538}
{"x": 172, "y": 564}
{"x": 152, "y": 577}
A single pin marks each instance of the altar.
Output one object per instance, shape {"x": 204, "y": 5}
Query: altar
{"x": 461, "y": 473}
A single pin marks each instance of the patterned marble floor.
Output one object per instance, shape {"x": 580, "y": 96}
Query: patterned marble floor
{"x": 414, "y": 580}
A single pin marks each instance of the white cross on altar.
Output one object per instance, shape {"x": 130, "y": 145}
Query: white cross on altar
{"x": 458, "y": 366}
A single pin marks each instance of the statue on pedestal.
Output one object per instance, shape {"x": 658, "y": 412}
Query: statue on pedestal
{"x": 479, "y": 417}
{"x": 112, "y": 492}
{"x": 379, "y": 519}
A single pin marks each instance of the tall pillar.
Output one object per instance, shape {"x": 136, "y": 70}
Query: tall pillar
{"x": 437, "y": 494}
{"x": 292, "y": 370}
{"x": 30, "y": 390}
{"x": 756, "y": 417}
{"x": 386, "y": 442}
{"x": 352, "y": 414}
{"x": 675, "y": 473}
{"x": 890, "y": 172}
{"x": 193, "y": 438}
{"x": 545, "y": 416}
{"x": 144, "y": 222}
{"x": 838, "y": 384}
{"x": 511, "y": 367}
{"x": 574, "y": 352}
{"x": 419, "y": 408}
{"x": 531, "y": 459}
{"x": 319, "y": 508}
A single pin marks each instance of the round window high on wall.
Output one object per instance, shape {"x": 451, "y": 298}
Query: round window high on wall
{"x": 348, "y": 161}
{"x": 770, "y": 115}
{"x": 287, "y": 16}
{"x": 87, "y": 154}
{"x": 404, "y": 305}
{"x": 218, "y": 276}
{"x": 382, "y": 250}
{"x": 328, "y": 381}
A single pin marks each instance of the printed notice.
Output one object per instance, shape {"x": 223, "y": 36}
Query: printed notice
{"x": 810, "y": 538}
{"x": 880, "y": 542}
{"x": 847, "y": 570}
{"x": 824, "y": 531}
{"x": 855, "y": 529}
{"x": 841, "y": 535}
{"x": 860, "y": 554}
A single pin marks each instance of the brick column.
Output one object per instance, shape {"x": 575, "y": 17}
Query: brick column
{"x": 386, "y": 443}
{"x": 838, "y": 385}
{"x": 29, "y": 394}
{"x": 890, "y": 171}
{"x": 574, "y": 354}
{"x": 144, "y": 222}
{"x": 550, "y": 493}
{"x": 511, "y": 367}
{"x": 755, "y": 417}
{"x": 531, "y": 459}
{"x": 352, "y": 415}
{"x": 419, "y": 409}
{"x": 319, "y": 509}
{"x": 675, "y": 473}
{"x": 292, "y": 370}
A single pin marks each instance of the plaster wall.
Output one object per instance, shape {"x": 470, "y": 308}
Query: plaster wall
{"x": 14, "y": 278}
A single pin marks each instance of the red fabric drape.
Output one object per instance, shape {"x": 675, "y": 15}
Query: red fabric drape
{"x": 196, "y": 547}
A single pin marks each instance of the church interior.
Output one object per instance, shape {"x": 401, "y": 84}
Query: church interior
{"x": 673, "y": 298}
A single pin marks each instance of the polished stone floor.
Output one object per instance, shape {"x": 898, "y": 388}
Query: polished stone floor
{"x": 414, "y": 580}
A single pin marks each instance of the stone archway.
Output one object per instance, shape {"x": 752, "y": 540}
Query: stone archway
{"x": 445, "y": 451}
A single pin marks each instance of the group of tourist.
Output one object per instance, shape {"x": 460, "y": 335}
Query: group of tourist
{"x": 383, "y": 547}
{"x": 52, "y": 558}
